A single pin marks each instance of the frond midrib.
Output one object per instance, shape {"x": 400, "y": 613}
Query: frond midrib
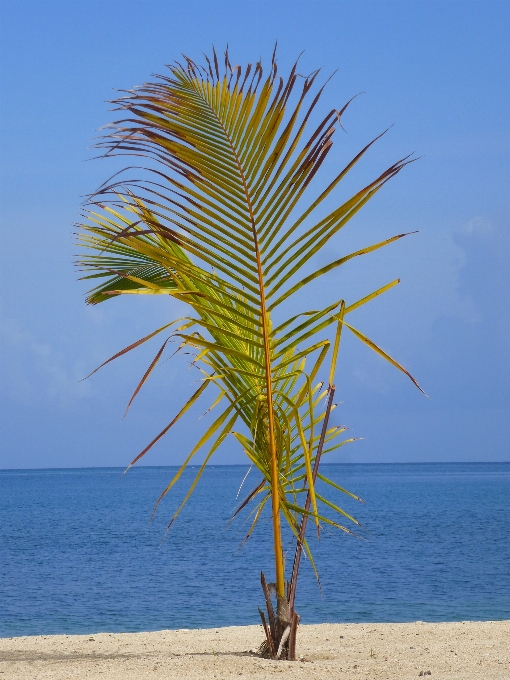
{"x": 275, "y": 483}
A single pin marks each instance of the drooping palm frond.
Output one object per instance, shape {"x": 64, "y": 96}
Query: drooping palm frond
{"x": 223, "y": 219}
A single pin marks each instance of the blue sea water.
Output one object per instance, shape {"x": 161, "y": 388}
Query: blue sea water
{"x": 78, "y": 555}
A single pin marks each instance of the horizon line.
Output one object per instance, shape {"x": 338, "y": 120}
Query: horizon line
{"x": 212, "y": 465}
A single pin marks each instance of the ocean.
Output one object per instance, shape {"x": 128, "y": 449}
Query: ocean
{"x": 79, "y": 555}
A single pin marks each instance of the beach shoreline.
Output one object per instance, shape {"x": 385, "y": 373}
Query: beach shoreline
{"x": 399, "y": 651}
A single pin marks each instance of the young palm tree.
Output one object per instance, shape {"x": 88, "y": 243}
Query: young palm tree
{"x": 223, "y": 219}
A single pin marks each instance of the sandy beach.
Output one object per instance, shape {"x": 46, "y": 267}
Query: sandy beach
{"x": 397, "y": 651}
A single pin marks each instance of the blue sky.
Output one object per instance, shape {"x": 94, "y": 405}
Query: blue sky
{"x": 437, "y": 71}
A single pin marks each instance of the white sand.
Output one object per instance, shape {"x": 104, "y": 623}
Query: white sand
{"x": 395, "y": 651}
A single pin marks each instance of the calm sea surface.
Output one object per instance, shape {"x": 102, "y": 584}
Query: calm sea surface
{"x": 78, "y": 555}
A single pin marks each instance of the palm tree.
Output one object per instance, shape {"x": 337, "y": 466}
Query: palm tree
{"x": 223, "y": 218}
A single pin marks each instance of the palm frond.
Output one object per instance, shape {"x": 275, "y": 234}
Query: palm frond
{"x": 223, "y": 217}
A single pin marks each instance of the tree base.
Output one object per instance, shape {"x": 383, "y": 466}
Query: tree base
{"x": 280, "y": 629}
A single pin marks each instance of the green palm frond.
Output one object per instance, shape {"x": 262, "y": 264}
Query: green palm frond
{"x": 224, "y": 219}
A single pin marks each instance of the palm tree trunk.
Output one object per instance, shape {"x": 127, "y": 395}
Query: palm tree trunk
{"x": 281, "y": 629}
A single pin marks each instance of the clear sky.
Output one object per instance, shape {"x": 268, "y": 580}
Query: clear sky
{"x": 439, "y": 72}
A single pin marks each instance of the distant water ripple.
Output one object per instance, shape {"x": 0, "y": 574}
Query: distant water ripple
{"x": 77, "y": 554}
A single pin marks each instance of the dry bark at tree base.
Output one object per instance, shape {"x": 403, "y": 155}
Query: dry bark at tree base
{"x": 280, "y": 629}
{"x": 288, "y": 650}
